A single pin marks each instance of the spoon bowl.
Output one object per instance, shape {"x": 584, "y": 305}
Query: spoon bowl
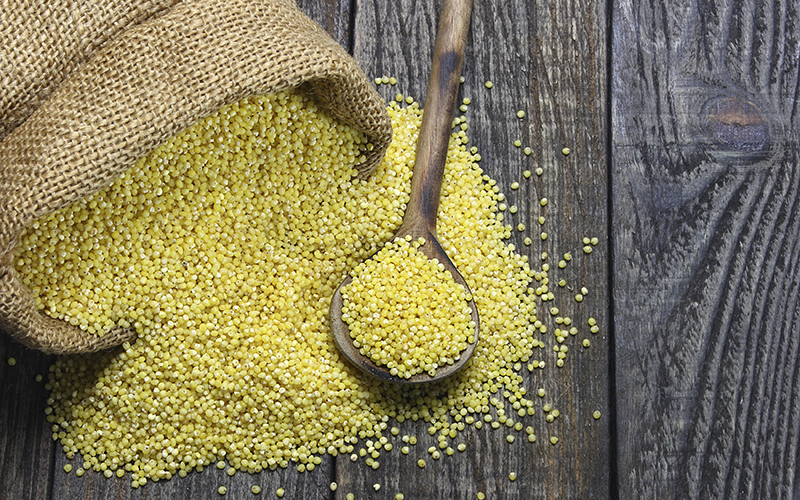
{"x": 426, "y": 183}
{"x": 341, "y": 333}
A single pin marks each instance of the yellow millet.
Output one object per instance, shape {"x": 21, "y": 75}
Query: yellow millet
{"x": 406, "y": 312}
{"x": 222, "y": 249}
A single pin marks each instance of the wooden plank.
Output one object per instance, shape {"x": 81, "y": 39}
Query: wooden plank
{"x": 334, "y": 16}
{"x": 705, "y": 182}
{"x": 94, "y": 486}
{"x": 550, "y": 61}
{"x": 26, "y": 446}
{"x": 547, "y": 59}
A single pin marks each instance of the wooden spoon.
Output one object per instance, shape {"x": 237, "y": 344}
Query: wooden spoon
{"x": 426, "y": 184}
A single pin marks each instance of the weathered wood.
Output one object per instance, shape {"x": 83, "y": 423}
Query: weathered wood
{"x": 95, "y": 486}
{"x": 26, "y": 446}
{"x": 334, "y": 16}
{"x": 548, "y": 60}
{"x": 705, "y": 182}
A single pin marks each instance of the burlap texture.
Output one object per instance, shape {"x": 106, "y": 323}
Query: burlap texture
{"x": 89, "y": 89}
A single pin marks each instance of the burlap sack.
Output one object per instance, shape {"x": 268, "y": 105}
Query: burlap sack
{"x": 87, "y": 88}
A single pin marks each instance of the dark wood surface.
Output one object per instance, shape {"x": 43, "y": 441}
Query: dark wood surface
{"x": 705, "y": 217}
{"x": 682, "y": 124}
{"x": 562, "y": 91}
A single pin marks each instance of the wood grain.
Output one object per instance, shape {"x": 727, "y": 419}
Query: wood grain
{"x": 94, "y": 486}
{"x": 334, "y": 16}
{"x": 548, "y": 60}
{"x": 704, "y": 173}
{"x": 26, "y": 446}
{"x": 705, "y": 178}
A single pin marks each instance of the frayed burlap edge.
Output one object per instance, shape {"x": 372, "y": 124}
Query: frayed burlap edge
{"x": 153, "y": 81}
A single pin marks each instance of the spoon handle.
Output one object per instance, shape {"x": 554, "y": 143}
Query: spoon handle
{"x": 437, "y": 118}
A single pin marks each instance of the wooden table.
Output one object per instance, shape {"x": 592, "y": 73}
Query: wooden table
{"x": 682, "y": 124}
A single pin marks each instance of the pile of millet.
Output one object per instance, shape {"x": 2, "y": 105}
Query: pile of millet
{"x": 222, "y": 249}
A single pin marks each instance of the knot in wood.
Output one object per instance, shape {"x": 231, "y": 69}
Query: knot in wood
{"x": 738, "y": 125}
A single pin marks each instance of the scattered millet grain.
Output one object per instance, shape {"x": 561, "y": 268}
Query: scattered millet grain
{"x": 176, "y": 248}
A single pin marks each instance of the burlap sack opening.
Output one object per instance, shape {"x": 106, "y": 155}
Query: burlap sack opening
{"x": 107, "y": 96}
